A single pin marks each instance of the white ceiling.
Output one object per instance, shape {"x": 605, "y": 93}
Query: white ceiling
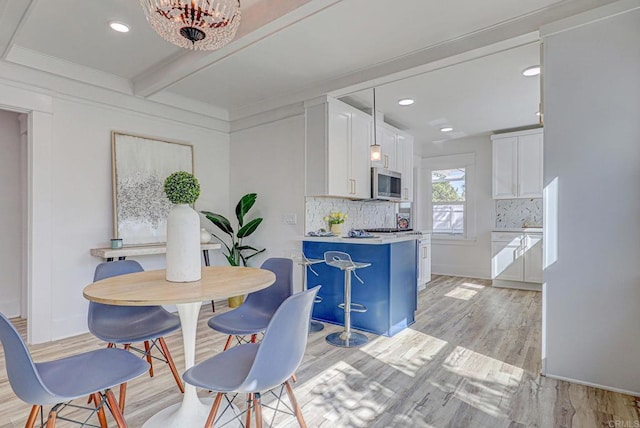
{"x": 288, "y": 51}
{"x": 474, "y": 97}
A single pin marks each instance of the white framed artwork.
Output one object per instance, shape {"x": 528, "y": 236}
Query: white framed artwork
{"x": 140, "y": 166}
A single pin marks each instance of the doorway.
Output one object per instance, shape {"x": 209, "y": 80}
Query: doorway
{"x": 13, "y": 214}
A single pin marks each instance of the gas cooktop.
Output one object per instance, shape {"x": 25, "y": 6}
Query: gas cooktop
{"x": 387, "y": 230}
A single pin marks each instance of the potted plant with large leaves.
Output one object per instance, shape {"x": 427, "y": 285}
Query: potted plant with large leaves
{"x": 237, "y": 253}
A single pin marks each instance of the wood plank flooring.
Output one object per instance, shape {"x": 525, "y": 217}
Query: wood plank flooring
{"x": 471, "y": 360}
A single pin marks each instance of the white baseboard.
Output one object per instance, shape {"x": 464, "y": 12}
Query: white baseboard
{"x": 595, "y": 385}
{"x": 68, "y": 327}
{"x": 457, "y": 270}
{"x": 529, "y": 286}
{"x": 10, "y": 307}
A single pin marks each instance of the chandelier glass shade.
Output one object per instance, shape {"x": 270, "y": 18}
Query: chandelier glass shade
{"x": 194, "y": 24}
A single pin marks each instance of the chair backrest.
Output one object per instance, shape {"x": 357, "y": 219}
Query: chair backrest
{"x": 269, "y": 299}
{"x": 121, "y": 267}
{"x": 99, "y": 312}
{"x": 283, "y": 345}
{"x": 23, "y": 375}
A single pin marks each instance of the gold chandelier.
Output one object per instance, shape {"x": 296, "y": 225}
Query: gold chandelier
{"x": 194, "y": 24}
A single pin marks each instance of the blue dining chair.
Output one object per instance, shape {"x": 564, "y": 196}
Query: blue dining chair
{"x": 256, "y": 368}
{"x": 58, "y": 382}
{"x": 253, "y": 316}
{"x": 124, "y": 325}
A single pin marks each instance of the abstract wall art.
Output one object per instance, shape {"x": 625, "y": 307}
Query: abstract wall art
{"x": 140, "y": 166}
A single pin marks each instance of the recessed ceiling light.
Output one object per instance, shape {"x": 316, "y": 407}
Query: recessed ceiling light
{"x": 406, "y": 101}
{"x": 534, "y": 70}
{"x": 119, "y": 27}
{"x": 538, "y": 113}
{"x": 446, "y": 129}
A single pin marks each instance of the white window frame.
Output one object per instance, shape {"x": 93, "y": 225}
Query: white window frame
{"x": 462, "y": 203}
{"x": 466, "y": 161}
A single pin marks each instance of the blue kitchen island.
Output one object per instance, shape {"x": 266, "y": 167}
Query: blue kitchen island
{"x": 390, "y": 284}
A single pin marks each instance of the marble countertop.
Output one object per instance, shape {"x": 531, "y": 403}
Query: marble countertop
{"x": 520, "y": 229}
{"x": 376, "y": 240}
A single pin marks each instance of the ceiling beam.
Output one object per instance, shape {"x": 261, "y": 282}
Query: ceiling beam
{"x": 13, "y": 14}
{"x": 262, "y": 20}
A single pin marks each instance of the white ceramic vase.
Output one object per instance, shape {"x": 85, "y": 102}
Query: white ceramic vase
{"x": 183, "y": 244}
{"x": 205, "y": 236}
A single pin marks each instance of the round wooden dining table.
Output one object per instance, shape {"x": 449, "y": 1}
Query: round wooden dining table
{"x": 150, "y": 288}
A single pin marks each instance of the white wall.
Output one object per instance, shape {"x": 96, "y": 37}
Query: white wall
{"x": 592, "y": 160}
{"x": 269, "y": 160}
{"x": 11, "y": 214}
{"x": 71, "y": 182}
{"x": 471, "y": 258}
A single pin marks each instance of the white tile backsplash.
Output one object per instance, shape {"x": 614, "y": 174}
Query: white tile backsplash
{"x": 515, "y": 213}
{"x": 365, "y": 215}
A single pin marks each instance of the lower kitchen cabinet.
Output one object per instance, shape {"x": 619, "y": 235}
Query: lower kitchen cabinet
{"x": 516, "y": 260}
{"x": 424, "y": 261}
{"x": 389, "y": 291}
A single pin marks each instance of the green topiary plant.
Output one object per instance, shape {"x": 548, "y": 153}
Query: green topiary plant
{"x": 182, "y": 188}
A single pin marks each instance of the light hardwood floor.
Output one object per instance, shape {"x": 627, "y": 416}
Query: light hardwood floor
{"x": 471, "y": 360}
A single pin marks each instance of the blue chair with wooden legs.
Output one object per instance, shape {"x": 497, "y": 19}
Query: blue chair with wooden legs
{"x": 124, "y": 325}
{"x": 256, "y": 368}
{"x": 58, "y": 382}
{"x": 253, "y": 316}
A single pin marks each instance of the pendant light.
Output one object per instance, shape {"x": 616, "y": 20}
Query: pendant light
{"x": 376, "y": 149}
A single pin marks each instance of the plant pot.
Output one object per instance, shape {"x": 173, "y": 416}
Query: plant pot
{"x": 235, "y": 301}
{"x": 183, "y": 245}
{"x": 336, "y": 229}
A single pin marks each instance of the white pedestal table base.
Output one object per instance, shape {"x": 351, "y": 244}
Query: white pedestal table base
{"x": 192, "y": 411}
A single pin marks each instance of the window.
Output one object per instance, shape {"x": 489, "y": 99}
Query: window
{"x": 448, "y": 190}
{"x": 446, "y": 197}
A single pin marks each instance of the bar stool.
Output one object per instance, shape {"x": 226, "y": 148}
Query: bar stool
{"x": 300, "y": 259}
{"x": 347, "y": 338}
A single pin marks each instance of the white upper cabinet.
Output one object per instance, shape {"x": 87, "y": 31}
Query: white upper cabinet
{"x": 517, "y": 164}
{"x": 404, "y": 151}
{"x": 361, "y": 139}
{"x": 338, "y": 137}
{"x": 387, "y": 138}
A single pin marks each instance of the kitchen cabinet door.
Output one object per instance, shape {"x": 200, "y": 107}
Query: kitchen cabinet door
{"x": 404, "y": 150}
{"x": 338, "y": 137}
{"x": 505, "y": 163}
{"x": 507, "y": 262}
{"x": 360, "y": 170}
{"x": 517, "y": 164}
{"x": 388, "y": 146}
{"x": 533, "y": 258}
{"x": 424, "y": 263}
{"x": 530, "y": 166}
{"x": 339, "y": 162}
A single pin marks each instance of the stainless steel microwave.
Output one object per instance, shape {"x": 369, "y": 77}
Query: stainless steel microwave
{"x": 386, "y": 184}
